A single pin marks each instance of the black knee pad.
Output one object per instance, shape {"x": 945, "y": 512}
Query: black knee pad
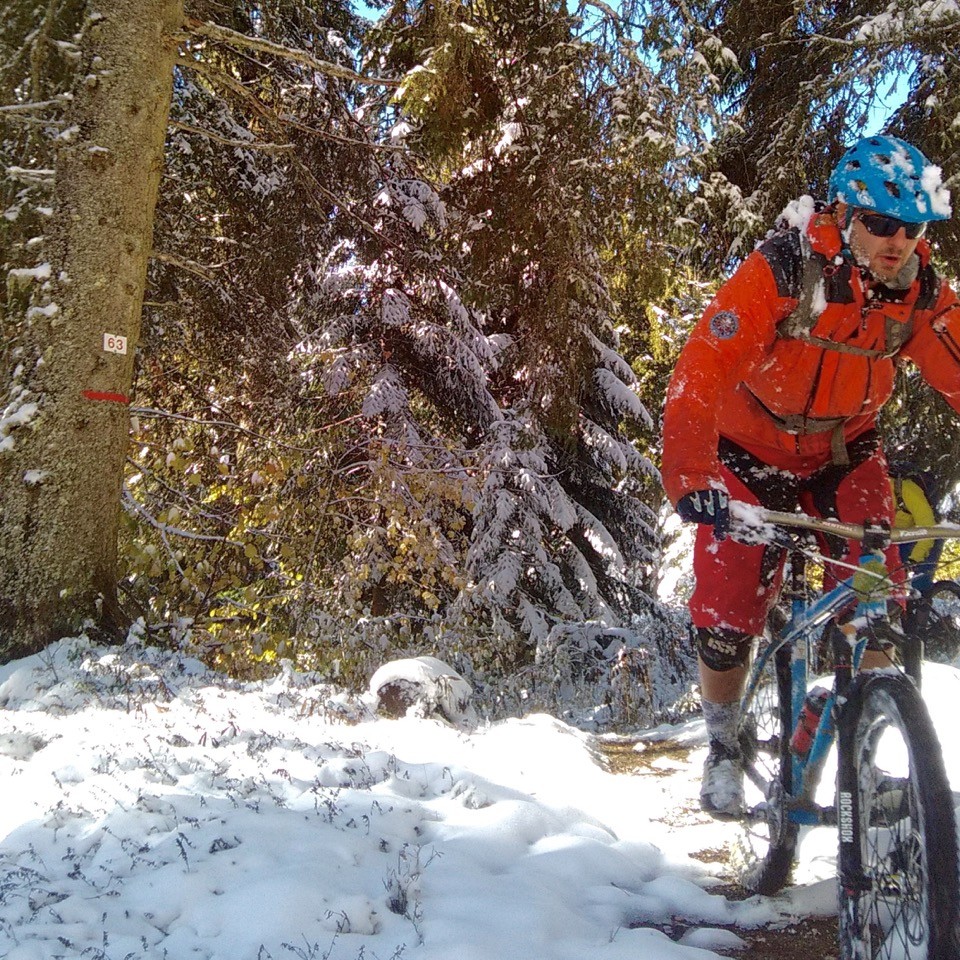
{"x": 723, "y": 649}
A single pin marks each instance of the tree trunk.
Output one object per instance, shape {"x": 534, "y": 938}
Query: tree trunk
{"x": 61, "y": 469}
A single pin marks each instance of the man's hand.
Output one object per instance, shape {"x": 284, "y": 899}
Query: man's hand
{"x": 707, "y": 506}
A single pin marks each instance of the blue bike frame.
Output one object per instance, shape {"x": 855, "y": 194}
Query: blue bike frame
{"x": 805, "y": 619}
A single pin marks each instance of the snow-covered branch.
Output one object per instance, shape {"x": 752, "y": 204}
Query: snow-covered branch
{"x": 234, "y": 39}
{"x": 30, "y": 107}
{"x": 197, "y": 269}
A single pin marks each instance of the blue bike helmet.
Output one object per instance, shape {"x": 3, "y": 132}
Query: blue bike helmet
{"x": 891, "y": 177}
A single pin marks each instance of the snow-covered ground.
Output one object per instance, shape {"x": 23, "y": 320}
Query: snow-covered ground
{"x": 153, "y": 809}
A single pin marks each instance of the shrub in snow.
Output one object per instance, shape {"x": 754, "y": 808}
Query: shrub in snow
{"x": 599, "y": 677}
{"x": 578, "y": 651}
{"x": 584, "y": 662}
{"x": 423, "y": 687}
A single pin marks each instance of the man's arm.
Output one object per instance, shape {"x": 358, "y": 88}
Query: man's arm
{"x": 935, "y": 346}
{"x": 921, "y": 515}
{"x": 732, "y": 337}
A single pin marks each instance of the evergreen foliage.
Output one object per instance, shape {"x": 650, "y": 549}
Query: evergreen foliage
{"x": 794, "y": 84}
{"x": 440, "y": 373}
{"x": 39, "y": 55}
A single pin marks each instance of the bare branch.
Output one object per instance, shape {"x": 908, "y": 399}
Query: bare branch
{"x": 198, "y": 269}
{"x": 31, "y": 175}
{"x": 29, "y": 107}
{"x": 340, "y": 203}
{"x": 245, "y": 144}
{"x": 270, "y": 115}
{"x": 337, "y": 138}
{"x": 239, "y": 40}
{"x": 37, "y": 51}
{"x": 134, "y": 508}
{"x": 226, "y": 424}
{"x": 604, "y": 9}
{"x": 18, "y": 55}
{"x": 219, "y": 76}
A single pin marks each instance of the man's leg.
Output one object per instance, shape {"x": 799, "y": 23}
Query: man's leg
{"x": 722, "y": 686}
{"x": 736, "y": 584}
{"x": 723, "y": 668}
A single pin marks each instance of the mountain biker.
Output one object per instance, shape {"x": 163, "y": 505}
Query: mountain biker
{"x": 775, "y": 396}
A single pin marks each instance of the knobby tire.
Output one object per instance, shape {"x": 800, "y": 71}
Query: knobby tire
{"x": 895, "y": 807}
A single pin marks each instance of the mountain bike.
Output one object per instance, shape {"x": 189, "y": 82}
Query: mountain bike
{"x": 893, "y": 808}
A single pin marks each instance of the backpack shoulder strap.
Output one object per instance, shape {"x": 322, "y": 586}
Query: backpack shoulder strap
{"x": 929, "y": 288}
{"x": 897, "y": 334}
{"x": 799, "y": 324}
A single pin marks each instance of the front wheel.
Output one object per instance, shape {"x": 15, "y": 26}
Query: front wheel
{"x": 898, "y": 890}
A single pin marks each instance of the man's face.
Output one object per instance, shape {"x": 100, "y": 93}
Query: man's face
{"x": 884, "y": 257}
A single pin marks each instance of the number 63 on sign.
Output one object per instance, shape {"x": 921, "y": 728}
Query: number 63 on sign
{"x": 114, "y": 343}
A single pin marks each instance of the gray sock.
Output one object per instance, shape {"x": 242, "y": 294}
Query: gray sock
{"x": 722, "y": 720}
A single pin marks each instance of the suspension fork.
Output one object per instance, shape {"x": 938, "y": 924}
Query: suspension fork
{"x": 849, "y": 646}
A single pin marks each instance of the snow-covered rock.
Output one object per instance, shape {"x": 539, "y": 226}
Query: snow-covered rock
{"x": 423, "y": 687}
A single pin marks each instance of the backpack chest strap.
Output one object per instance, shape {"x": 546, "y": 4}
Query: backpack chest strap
{"x": 801, "y": 425}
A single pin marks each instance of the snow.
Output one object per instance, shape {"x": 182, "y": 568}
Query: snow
{"x": 395, "y": 311}
{"x": 441, "y": 688}
{"x": 19, "y": 413}
{"x": 41, "y": 272}
{"x": 387, "y": 394}
{"x": 155, "y": 809}
{"x": 47, "y": 311}
{"x": 621, "y": 396}
{"x": 932, "y": 183}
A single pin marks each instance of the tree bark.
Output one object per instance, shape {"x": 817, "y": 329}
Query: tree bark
{"x": 61, "y": 468}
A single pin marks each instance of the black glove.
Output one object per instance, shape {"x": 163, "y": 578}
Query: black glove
{"x": 707, "y": 506}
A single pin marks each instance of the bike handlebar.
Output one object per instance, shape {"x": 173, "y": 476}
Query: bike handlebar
{"x": 752, "y": 517}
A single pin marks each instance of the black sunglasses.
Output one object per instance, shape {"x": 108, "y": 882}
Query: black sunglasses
{"x": 880, "y": 225}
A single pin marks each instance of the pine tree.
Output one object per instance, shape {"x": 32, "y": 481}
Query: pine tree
{"x": 69, "y": 362}
{"x": 789, "y": 87}
{"x": 511, "y": 104}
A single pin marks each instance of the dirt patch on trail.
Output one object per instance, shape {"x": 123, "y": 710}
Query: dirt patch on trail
{"x": 813, "y": 937}
{"x": 808, "y": 937}
{"x": 638, "y": 756}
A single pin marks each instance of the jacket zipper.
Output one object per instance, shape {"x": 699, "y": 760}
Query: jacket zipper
{"x": 815, "y": 386}
{"x": 951, "y": 346}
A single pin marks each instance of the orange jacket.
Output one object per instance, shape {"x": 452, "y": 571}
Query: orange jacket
{"x": 737, "y": 378}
